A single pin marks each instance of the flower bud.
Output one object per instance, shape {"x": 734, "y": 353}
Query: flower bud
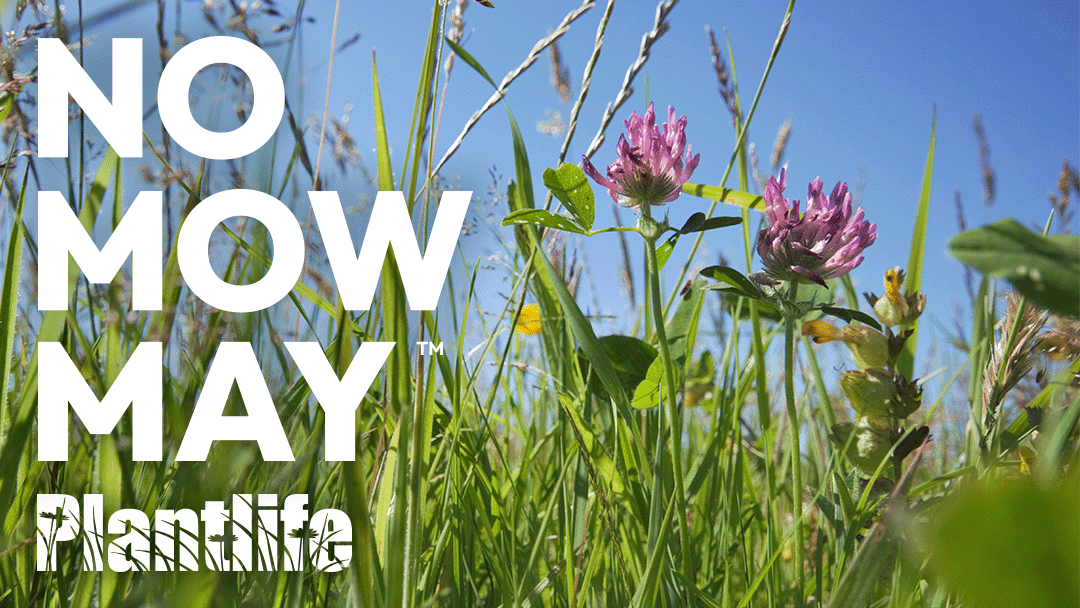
{"x": 650, "y": 228}
{"x": 878, "y": 393}
{"x": 870, "y": 391}
{"x": 868, "y": 442}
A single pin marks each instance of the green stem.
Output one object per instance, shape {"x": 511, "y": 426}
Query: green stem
{"x": 672, "y": 406}
{"x": 796, "y": 450}
{"x": 612, "y": 229}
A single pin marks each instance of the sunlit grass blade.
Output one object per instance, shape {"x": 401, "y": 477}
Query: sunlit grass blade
{"x": 392, "y": 291}
{"x": 905, "y": 363}
{"x": 726, "y": 195}
{"x": 473, "y": 63}
{"x": 580, "y": 326}
{"x": 9, "y": 304}
{"x": 418, "y": 128}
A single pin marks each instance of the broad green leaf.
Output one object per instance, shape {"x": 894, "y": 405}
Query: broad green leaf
{"x": 539, "y": 217}
{"x": 1009, "y": 542}
{"x": 650, "y": 391}
{"x": 569, "y": 184}
{"x": 1046, "y": 269}
{"x": 630, "y": 357}
{"x": 680, "y": 331}
{"x": 726, "y": 195}
{"x": 731, "y": 277}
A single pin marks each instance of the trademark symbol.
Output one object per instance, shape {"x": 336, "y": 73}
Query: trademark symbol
{"x": 429, "y": 348}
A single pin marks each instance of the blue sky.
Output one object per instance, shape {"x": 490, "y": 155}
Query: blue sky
{"x": 858, "y": 80}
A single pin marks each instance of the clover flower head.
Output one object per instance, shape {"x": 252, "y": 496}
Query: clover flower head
{"x": 652, "y": 163}
{"x": 824, "y": 243}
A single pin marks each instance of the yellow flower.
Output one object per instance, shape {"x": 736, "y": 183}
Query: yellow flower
{"x": 869, "y": 347}
{"x": 1028, "y": 458}
{"x": 529, "y": 320}
{"x": 895, "y": 308}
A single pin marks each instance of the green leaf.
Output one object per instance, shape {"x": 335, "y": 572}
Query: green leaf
{"x": 569, "y": 184}
{"x": 849, "y": 315}
{"x": 726, "y": 195}
{"x": 734, "y": 291}
{"x": 732, "y": 277}
{"x": 1010, "y": 543}
{"x": 393, "y": 299}
{"x": 539, "y": 217}
{"x": 693, "y": 223}
{"x": 680, "y": 332}
{"x": 663, "y": 252}
{"x": 765, "y": 310}
{"x": 1046, "y": 269}
{"x": 649, "y": 392}
{"x": 526, "y": 199}
{"x": 711, "y": 223}
{"x": 1053, "y": 453}
{"x": 583, "y": 331}
{"x": 874, "y": 558}
{"x": 683, "y": 325}
{"x": 382, "y": 145}
{"x": 1049, "y": 398}
{"x": 593, "y": 446}
{"x": 630, "y": 358}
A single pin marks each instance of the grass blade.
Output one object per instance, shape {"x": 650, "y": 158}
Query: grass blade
{"x": 905, "y": 363}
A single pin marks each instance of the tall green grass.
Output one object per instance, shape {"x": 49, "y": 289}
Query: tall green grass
{"x": 541, "y": 470}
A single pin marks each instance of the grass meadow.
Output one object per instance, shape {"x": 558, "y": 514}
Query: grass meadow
{"x": 706, "y": 457}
